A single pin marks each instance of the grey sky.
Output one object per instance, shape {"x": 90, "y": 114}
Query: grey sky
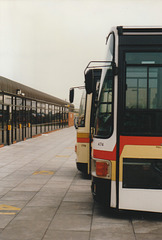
{"x": 46, "y": 44}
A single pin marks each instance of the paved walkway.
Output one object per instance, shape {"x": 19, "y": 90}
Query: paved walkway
{"x": 44, "y": 197}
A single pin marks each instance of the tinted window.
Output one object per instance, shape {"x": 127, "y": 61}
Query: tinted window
{"x": 104, "y": 111}
{"x": 81, "y": 119}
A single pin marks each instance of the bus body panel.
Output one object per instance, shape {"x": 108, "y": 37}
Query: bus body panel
{"x": 140, "y": 200}
{"x": 133, "y": 194}
{"x": 83, "y": 140}
{"x": 139, "y": 155}
{"x": 133, "y": 163}
{"x": 87, "y": 112}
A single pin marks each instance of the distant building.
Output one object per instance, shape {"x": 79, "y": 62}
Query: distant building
{"x": 26, "y": 112}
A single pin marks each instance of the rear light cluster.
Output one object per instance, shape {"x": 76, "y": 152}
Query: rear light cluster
{"x": 103, "y": 169}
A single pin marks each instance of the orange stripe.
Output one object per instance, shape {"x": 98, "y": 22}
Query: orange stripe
{"x": 133, "y": 140}
{"x": 83, "y": 140}
{"x": 38, "y": 135}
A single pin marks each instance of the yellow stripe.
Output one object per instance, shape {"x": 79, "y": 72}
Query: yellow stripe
{"x": 7, "y": 213}
{"x": 43, "y": 173}
{"x": 113, "y": 170}
{"x": 7, "y": 207}
{"x": 82, "y": 135}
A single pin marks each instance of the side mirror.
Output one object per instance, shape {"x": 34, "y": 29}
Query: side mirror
{"x": 71, "y": 95}
{"x": 92, "y": 76}
{"x": 89, "y": 81}
{"x": 76, "y": 122}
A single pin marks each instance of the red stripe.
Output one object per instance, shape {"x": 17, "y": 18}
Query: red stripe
{"x": 129, "y": 140}
{"x": 83, "y": 140}
{"x": 107, "y": 155}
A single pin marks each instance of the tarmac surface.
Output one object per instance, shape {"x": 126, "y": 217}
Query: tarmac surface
{"x": 44, "y": 197}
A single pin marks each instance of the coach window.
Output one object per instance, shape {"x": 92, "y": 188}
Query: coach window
{"x": 28, "y": 103}
{"x": 34, "y": 112}
{"x": 1, "y": 101}
{"x": 104, "y": 115}
{"x": 1, "y": 98}
{"x": 66, "y": 116}
{"x": 43, "y": 113}
{"x": 143, "y": 99}
{"x": 82, "y": 109}
{"x": 53, "y": 116}
{"x": 47, "y": 116}
{"x": 7, "y": 99}
{"x": 19, "y": 101}
{"x": 14, "y": 119}
{"x": 57, "y": 116}
{"x": 62, "y": 116}
{"x": 0, "y": 123}
{"x": 50, "y": 113}
{"x": 18, "y": 109}
{"x": 39, "y": 120}
{"x": 28, "y": 110}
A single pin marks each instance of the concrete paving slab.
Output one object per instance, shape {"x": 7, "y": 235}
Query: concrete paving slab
{"x": 62, "y": 178}
{"x": 105, "y": 235}
{"x": 103, "y": 215}
{"x": 57, "y": 185}
{"x": 10, "y": 182}
{"x": 53, "y": 190}
{"x": 15, "y": 203}
{"x": 121, "y": 228}
{"x": 3, "y": 174}
{"x": 46, "y": 192}
{"x": 28, "y": 187}
{"x": 59, "y": 206}
{"x": 75, "y": 208}
{"x": 39, "y": 179}
{"x": 36, "y": 213}
{"x": 66, "y": 235}
{"x": 23, "y": 195}
{"x": 24, "y": 230}
{"x": 41, "y": 201}
{"x": 4, "y": 190}
{"x": 80, "y": 180}
{"x": 5, "y": 220}
{"x": 79, "y": 197}
{"x": 85, "y": 189}
{"x": 149, "y": 227}
{"x": 101, "y": 221}
{"x": 71, "y": 222}
{"x": 148, "y": 237}
{"x": 64, "y": 172}
{"x": 23, "y": 173}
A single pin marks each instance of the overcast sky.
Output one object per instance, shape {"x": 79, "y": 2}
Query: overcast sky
{"x": 46, "y": 44}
